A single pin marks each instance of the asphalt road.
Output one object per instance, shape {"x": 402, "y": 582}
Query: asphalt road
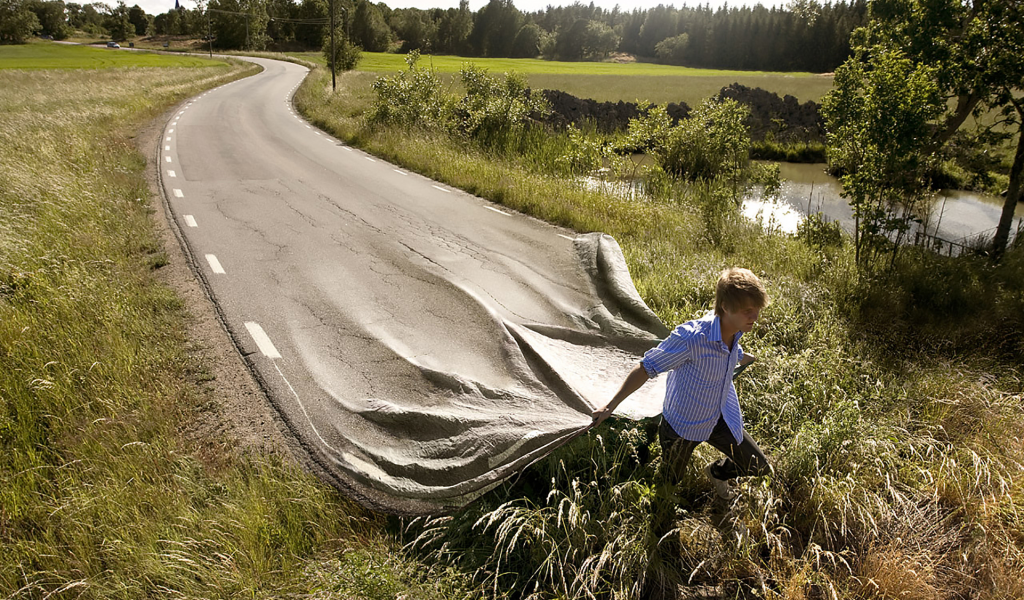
{"x": 421, "y": 343}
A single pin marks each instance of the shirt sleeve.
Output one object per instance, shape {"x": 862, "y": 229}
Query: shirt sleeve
{"x": 739, "y": 353}
{"x": 671, "y": 353}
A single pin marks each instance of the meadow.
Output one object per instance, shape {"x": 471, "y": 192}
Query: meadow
{"x": 889, "y": 404}
{"x": 103, "y": 493}
{"x": 67, "y": 56}
{"x": 610, "y": 82}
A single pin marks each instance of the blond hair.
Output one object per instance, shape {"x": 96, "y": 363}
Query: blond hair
{"x": 739, "y": 289}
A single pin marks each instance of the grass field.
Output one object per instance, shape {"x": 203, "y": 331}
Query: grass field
{"x": 102, "y": 494}
{"x": 42, "y": 55}
{"x": 611, "y": 82}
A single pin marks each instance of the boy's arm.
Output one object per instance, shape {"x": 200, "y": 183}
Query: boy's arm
{"x": 747, "y": 359}
{"x": 636, "y": 378}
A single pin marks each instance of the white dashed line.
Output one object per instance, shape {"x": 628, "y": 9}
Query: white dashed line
{"x": 262, "y": 340}
{"x": 170, "y": 131}
{"x": 167, "y": 139}
{"x": 498, "y": 211}
{"x": 437, "y": 187}
{"x": 178, "y": 193}
{"x": 215, "y": 264}
{"x": 347, "y": 148}
{"x": 191, "y": 221}
{"x": 369, "y": 159}
{"x": 171, "y": 173}
{"x": 167, "y": 158}
{"x": 400, "y": 172}
{"x": 567, "y": 237}
{"x": 167, "y": 148}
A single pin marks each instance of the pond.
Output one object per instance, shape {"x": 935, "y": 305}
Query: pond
{"x": 953, "y": 215}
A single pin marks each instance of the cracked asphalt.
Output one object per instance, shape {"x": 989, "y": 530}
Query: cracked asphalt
{"x": 420, "y": 346}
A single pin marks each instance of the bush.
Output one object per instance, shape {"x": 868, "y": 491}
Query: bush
{"x": 346, "y": 54}
{"x": 495, "y": 110}
{"x": 411, "y": 98}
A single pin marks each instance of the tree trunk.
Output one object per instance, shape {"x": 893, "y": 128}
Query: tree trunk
{"x": 1012, "y": 198}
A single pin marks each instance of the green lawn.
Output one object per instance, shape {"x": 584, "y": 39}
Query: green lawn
{"x": 611, "y": 82}
{"x": 379, "y": 61}
{"x": 65, "y": 56}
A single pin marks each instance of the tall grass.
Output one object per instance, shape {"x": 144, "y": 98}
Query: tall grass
{"x": 100, "y": 494}
{"x": 892, "y": 428}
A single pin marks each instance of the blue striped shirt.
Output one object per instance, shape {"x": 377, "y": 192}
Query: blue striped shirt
{"x": 699, "y": 387}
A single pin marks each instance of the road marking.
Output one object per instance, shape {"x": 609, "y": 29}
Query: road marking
{"x": 498, "y": 211}
{"x": 191, "y": 221}
{"x": 178, "y": 193}
{"x": 215, "y": 264}
{"x": 318, "y": 133}
{"x": 437, "y": 187}
{"x": 567, "y": 237}
{"x": 369, "y": 159}
{"x": 168, "y": 138}
{"x": 167, "y": 148}
{"x": 171, "y": 173}
{"x": 400, "y": 172}
{"x": 262, "y": 340}
{"x": 170, "y": 131}
{"x": 167, "y": 158}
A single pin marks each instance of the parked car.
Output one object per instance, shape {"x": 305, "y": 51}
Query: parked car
{"x": 113, "y": 45}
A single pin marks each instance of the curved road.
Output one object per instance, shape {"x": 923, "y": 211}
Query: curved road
{"x": 422, "y": 344}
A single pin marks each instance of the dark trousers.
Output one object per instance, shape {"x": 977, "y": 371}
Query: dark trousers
{"x": 740, "y": 460}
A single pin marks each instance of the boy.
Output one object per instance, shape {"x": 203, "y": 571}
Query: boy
{"x": 700, "y": 400}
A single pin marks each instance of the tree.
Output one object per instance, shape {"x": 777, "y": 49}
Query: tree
{"x": 346, "y": 54}
{"x": 528, "y": 41}
{"x": 117, "y": 23}
{"x": 16, "y": 22}
{"x": 599, "y": 40}
{"x": 167, "y": 23}
{"x": 52, "y": 18}
{"x": 453, "y": 29}
{"x": 139, "y": 19}
{"x": 369, "y": 29}
{"x": 240, "y": 23}
{"x": 495, "y": 28}
{"x": 977, "y": 50}
{"x": 673, "y": 49}
{"x": 879, "y": 116}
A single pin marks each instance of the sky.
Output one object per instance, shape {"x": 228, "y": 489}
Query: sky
{"x": 157, "y": 7}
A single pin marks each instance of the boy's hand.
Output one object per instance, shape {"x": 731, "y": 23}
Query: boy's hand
{"x": 600, "y": 415}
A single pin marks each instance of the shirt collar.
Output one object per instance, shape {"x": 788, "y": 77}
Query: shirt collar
{"x": 715, "y": 334}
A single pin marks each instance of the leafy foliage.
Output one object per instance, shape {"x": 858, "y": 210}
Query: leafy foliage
{"x": 494, "y": 110}
{"x": 412, "y": 98}
{"x": 879, "y": 119}
{"x": 17, "y": 22}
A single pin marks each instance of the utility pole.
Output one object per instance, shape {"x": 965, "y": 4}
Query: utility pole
{"x": 209, "y": 30}
{"x": 334, "y": 51}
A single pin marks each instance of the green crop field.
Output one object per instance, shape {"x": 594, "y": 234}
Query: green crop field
{"x": 611, "y": 82}
{"x": 67, "y": 56}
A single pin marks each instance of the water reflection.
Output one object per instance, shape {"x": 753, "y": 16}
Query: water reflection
{"x": 954, "y": 215}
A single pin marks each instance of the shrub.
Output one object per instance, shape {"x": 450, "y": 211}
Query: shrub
{"x": 411, "y": 98}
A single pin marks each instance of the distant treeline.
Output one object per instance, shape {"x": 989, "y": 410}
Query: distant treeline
{"x": 804, "y": 36}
